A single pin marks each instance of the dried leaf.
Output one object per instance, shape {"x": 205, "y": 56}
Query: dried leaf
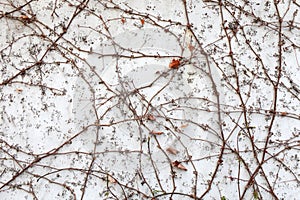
{"x": 184, "y": 125}
{"x": 19, "y": 90}
{"x": 175, "y": 163}
{"x": 123, "y": 20}
{"x": 178, "y": 165}
{"x": 174, "y": 64}
{"x": 151, "y": 117}
{"x": 111, "y": 179}
{"x": 283, "y": 113}
{"x": 191, "y": 47}
{"x": 24, "y": 17}
{"x": 171, "y": 150}
{"x": 156, "y": 132}
{"x": 142, "y": 21}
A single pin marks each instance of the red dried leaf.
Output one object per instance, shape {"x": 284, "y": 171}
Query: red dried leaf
{"x": 174, "y": 64}
{"x": 178, "y": 165}
{"x": 171, "y": 150}
{"x": 156, "y": 132}
{"x": 142, "y": 21}
{"x": 123, "y": 20}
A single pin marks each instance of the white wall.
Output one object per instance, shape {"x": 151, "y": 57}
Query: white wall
{"x": 161, "y": 99}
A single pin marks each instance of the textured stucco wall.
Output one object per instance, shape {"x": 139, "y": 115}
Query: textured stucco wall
{"x": 162, "y": 99}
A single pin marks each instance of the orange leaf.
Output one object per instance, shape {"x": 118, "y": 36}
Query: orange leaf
{"x": 178, "y": 165}
{"x": 174, "y": 64}
{"x": 172, "y": 150}
{"x": 142, "y": 21}
{"x": 156, "y": 132}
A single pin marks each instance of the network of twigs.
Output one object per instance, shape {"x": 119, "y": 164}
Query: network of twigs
{"x": 252, "y": 45}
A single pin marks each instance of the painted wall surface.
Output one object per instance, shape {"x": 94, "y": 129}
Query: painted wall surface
{"x": 149, "y": 99}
